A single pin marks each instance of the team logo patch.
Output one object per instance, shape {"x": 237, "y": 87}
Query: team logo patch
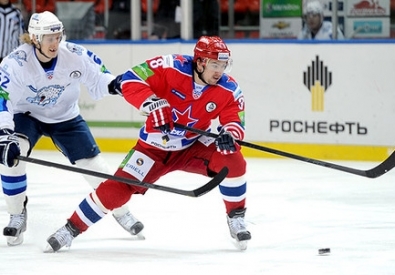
{"x": 75, "y": 74}
{"x": 211, "y": 106}
{"x": 46, "y": 95}
{"x": 49, "y": 74}
{"x": 139, "y": 161}
{"x": 196, "y": 94}
{"x": 19, "y": 56}
{"x": 137, "y": 164}
{"x": 74, "y": 48}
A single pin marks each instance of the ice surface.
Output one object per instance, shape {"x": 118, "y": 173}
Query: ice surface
{"x": 294, "y": 209}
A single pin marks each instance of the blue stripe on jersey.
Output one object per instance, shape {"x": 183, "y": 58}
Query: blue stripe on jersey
{"x": 13, "y": 185}
{"x": 131, "y": 75}
{"x": 89, "y": 212}
{"x": 143, "y": 134}
{"x": 3, "y": 105}
{"x": 186, "y": 142}
{"x": 233, "y": 191}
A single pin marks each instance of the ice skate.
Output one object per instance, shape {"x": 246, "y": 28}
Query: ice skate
{"x": 63, "y": 237}
{"x": 131, "y": 224}
{"x": 15, "y": 228}
{"x": 237, "y": 228}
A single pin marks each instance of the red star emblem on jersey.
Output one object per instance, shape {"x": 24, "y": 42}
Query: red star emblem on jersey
{"x": 184, "y": 117}
{"x": 180, "y": 58}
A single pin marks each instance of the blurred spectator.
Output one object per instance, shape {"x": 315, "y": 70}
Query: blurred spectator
{"x": 167, "y": 20}
{"x": 205, "y": 18}
{"x": 315, "y": 28}
{"x": 11, "y": 27}
{"x": 41, "y": 6}
{"x": 119, "y": 20}
{"x": 120, "y": 6}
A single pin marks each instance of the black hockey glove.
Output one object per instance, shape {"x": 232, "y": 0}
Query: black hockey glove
{"x": 9, "y": 148}
{"x": 114, "y": 88}
{"x": 226, "y": 143}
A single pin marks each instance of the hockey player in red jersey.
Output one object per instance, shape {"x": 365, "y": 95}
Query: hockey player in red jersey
{"x": 189, "y": 90}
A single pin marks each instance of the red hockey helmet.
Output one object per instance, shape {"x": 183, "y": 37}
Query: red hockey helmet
{"x": 212, "y": 47}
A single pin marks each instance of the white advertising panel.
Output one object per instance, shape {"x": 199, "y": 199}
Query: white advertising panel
{"x": 280, "y": 27}
{"x": 369, "y": 8}
{"x": 318, "y": 93}
{"x": 368, "y": 27}
{"x": 307, "y": 93}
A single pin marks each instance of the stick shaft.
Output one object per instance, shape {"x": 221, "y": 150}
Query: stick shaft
{"x": 375, "y": 172}
{"x": 191, "y": 193}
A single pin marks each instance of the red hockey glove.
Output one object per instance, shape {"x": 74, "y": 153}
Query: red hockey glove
{"x": 158, "y": 111}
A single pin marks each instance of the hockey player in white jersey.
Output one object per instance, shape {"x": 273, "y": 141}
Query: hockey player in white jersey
{"x": 39, "y": 91}
{"x": 315, "y": 28}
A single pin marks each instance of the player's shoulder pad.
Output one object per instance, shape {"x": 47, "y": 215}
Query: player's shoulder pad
{"x": 228, "y": 82}
{"x": 19, "y": 56}
{"x": 182, "y": 63}
{"x": 73, "y": 48}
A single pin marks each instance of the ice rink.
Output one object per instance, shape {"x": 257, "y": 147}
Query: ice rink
{"x": 294, "y": 209}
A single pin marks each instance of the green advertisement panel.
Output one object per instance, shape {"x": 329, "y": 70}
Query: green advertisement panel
{"x": 281, "y": 8}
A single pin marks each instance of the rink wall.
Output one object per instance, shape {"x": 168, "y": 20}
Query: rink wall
{"x": 331, "y": 100}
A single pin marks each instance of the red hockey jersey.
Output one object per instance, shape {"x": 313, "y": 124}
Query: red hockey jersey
{"x": 171, "y": 77}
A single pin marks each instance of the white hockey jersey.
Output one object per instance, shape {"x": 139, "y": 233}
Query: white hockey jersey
{"x": 49, "y": 95}
{"x": 324, "y": 33}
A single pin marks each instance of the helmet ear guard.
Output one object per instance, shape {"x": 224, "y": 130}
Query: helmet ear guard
{"x": 44, "y": 23}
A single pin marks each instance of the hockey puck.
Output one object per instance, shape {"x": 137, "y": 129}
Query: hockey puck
{"x": 323, "y": 251}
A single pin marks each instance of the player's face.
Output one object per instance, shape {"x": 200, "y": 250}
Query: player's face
{"x": 213, "y": 70}
{"x": 50, "y": 44}
{"x": 313, "y": 21}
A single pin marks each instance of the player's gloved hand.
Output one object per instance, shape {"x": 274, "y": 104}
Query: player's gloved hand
{"x": 225, "y": 143}
{"x": 114, "y": 88}
{"x": 159, "y": 112}
{"x": 9, "y": 148}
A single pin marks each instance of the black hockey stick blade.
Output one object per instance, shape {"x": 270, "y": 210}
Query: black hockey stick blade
{"x": 215, "y": 181}
{"x": 375, "y": 172}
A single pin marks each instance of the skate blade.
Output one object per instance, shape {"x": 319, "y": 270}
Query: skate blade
{"x": 48, "y": 249}
{"x": 139, "y": 237}
{"x": 241, "y": 245}
{"x": 14, "y": 241}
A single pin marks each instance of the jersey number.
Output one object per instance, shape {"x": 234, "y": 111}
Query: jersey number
{"x": 95, "y": 58}
{"x": 156, "y": 63}
{"x": 241, "y": 103}
{"x": 4, "y": 80}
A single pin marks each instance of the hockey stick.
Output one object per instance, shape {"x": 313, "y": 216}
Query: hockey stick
{"x": 215, "y": 181}
{"x": 375, "y": 172}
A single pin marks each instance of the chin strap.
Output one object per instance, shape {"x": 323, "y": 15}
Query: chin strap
{"x": 199, "y": 73}
{"x": 40, "y": 51}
